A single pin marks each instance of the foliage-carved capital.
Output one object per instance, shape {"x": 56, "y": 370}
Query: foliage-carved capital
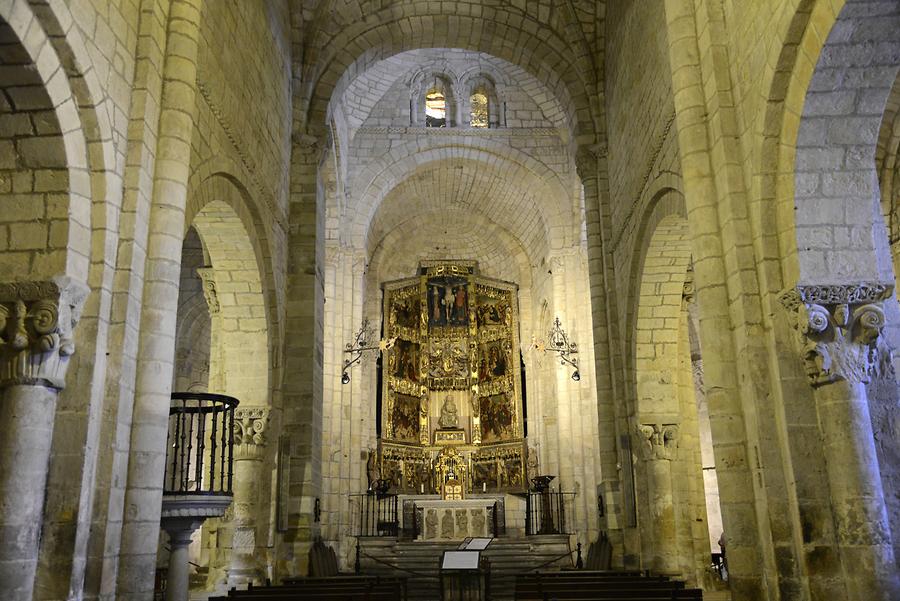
{"x": 839, "y": 331}
{"x": 37, "y": 320}
{"x": 250, "y": 425}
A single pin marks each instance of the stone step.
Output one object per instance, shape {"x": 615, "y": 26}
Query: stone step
{"x": 507, "y": 558}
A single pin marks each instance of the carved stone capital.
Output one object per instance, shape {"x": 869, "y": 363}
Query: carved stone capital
{"x": 658, "y": 441}
{"x": 37, "y": 320}
{"x": 586, "y": 162}
{"x": 839, "y": 331}
{"x": 207, "y": 276}
{"x": 250, "y": 431}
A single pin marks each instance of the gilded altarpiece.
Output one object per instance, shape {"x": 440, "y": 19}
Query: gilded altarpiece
{"x": 452, "y": 386}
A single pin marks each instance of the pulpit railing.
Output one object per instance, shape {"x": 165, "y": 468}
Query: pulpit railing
{"x": 546, "y": 512}
{"x": 377, "y": 514}
{"x": 200, "y": 446}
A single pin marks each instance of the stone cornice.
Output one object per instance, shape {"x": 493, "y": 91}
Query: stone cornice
{"x": 37, "y": 320}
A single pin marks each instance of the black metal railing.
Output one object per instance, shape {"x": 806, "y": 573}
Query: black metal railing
{"x": 200, "y": 446}
{"x": 377, "y": 514}
{"x": 546, "y": 512}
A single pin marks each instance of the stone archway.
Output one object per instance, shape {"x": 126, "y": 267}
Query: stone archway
{"x": 229, "y": 287}
{"x": 668, "y": 401}
{"x": 45, "y": 191}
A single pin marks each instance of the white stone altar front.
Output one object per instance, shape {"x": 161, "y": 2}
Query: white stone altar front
{"x": 454, "y": 520}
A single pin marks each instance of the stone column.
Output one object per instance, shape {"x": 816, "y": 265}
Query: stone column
{"x": 659, "y": 443}
{"x": 36, "y": 342}
{"x": 177, "y": 578}
{"x": 839, "y": 330}
{"x": 249, "y": 451}
{"x": 159, "y": 308}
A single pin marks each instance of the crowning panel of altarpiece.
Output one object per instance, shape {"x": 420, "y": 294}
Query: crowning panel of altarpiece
{"x": 452, "y": 387}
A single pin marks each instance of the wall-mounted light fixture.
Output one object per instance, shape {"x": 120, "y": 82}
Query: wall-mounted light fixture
{"x": 558, "y": 342}
{"x": 360, "y": 345}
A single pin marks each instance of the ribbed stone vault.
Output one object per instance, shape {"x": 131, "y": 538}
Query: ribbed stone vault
{"x": 446, "y": 189}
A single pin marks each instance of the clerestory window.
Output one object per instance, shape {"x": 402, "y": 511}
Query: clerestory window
{"x": 435, "y": 109}
{"x": 479, "y": 115}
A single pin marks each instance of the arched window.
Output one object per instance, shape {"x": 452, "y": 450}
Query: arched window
{"x": 479, "y": 114}
{"x": 483, "y": 108}
{"x": 435, "y": 108}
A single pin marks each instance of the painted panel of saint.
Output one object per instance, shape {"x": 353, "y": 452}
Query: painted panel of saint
{"x": 491, "y": 312}
{"x": 485, "y": 473}
{"x": 405, "y": 362}
{"x": 405, "y": 418}
{"x": 448, "y": 302}
{"x": 496, "y": 418}
{"x": 492, "y": 361}
{"x": 406, "y": 312}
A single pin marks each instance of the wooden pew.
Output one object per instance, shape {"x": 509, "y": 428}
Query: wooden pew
{"x": 336, "y": 588}
{"x": 582, "y": 585}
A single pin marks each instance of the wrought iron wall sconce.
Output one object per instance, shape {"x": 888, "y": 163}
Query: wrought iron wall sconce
{"x": 558, "y": 342}
{"x": 360, "y": 345}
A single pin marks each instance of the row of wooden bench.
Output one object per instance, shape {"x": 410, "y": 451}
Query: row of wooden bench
{"x": 583, "y": 585}
{"x": 332, "y": 588}
{"x": 578, "y": 585}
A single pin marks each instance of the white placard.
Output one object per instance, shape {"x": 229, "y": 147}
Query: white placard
{"x": 475, "y": 544}
{"x": 460, "y": 560}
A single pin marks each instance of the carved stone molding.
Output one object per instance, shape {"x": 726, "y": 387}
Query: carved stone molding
{"x": 37, "y": 320}
{"x": 658, "y": 441}
{"x": 697, "y": 371}
{"x": 687, "y": 293}
{"x": 207, "y": 276}
{"x": 839, "y": 331}
{"x": 250, "y": 431}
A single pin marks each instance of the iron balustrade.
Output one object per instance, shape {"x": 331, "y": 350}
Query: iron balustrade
{"x": 200, "y": 446}
{"x": 546, "y": 512}
{"x": 377, "y": 514}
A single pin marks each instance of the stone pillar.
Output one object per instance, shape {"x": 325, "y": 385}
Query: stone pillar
{"x": 36, "y": 342}
{"x": 159, "y": 308}
{"x": 839, "y": 330}
{"x": 659, "y": 443}
{"x": 249, "y": 451}
{"x": 177, "y": 579}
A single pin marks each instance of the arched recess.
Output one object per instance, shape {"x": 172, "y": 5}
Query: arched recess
{"x": 549, "y": 57}
{"x": 244, "y": 368}
{"x": 837, "y": 101}
{"x": 668, "y": 398}
{"x": 545, "y": 198}
{"x": 226, "y": 297}
{"x": 211, "y": 182}
{"x": 43, "y": 158}
{"x": 193, "y": 328}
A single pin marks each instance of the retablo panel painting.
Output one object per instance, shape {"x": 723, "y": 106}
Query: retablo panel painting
{"x": 405, "y": 418}
{"x": 456, "y": 356}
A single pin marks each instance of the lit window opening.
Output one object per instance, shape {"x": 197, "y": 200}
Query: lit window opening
{"x": 479, "y": 116}
{"x": 435, "y": 109}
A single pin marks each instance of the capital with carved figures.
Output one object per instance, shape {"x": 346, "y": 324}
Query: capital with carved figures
{"x": 658, "y": 441}
{"x": 37, "y": 320}
{"x": 207, "y": 277}
{"x": 839, "y": 331}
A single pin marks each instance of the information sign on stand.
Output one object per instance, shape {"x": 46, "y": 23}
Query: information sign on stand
{"x": 464, "y": 573}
